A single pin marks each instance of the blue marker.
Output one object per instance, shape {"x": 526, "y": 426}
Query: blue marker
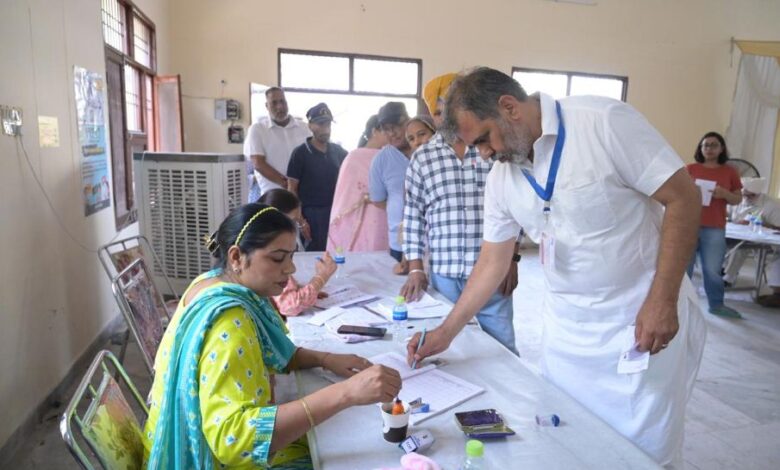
{"x": 419, "y": 345}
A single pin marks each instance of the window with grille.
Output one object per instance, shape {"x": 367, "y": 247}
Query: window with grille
{"x": 130, "y": 70}
{"x": 353, "y": 86}
{"x": 561, "y": 84}
{"x": 114, "y": 24}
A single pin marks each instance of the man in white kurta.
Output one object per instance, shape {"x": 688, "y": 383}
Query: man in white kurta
{"x": 602, "y": 271}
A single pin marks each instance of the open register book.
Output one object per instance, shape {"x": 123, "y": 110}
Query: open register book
{"x": 439, "y": 389}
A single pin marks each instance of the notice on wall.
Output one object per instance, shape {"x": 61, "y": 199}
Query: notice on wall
{"x": 48, "y": 132}
{"x": 90, "y": 116}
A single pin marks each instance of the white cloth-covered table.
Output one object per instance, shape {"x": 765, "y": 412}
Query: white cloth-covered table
{"x": 763, "y": 242}
{"x": 353, "y": 439}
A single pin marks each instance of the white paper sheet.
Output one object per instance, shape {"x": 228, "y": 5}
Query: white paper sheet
{"x": 354, "y": 316}
{"x": 319, "y": 318}
{"x": 427, "y": 307}
{"x": 706, "y": 187}
{"x": 343, "y": 297}
{"x": 398, "y": 362}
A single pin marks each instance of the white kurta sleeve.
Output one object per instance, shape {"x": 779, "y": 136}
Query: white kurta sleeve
{"x": 254, "y": 141}
{"x": 499, "y": 225}
{"x": 642, "y": 157}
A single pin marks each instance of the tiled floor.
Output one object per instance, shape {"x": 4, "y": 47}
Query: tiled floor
{"x": 733, "y": 418}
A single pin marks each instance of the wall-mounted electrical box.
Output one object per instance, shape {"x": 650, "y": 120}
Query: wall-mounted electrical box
{"x": 236, "y": 134}
{"x": 227, "y": 110}
{"x": 12, "y": 119}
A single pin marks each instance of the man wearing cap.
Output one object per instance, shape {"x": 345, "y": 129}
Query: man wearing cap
{"x": 756, "y": 203}
{"x": 269, "y": 143}
{"x": 445, "y": 185}
{"x": 388, "y": 169}
{"x": 312, "y": 174}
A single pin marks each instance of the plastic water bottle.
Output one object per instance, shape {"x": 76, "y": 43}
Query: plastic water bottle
{"x": 340, "y": 260}
{"x": 475, "y": 451}
{"x": 758, "y": 226}
{"x": 400, "y": 317}
{"x": 751, "y": 222}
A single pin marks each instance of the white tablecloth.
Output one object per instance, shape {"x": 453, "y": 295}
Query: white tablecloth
{"x": 743, "y": 232}
{"x": 353, "y": 439}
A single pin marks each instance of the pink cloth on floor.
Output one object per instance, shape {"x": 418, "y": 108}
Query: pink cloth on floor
{"x": 356, "y": 224}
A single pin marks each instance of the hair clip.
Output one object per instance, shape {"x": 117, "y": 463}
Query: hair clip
{"x": 211, "y": 242}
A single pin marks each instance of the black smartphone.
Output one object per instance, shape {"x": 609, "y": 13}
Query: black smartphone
{"x": 361, "y": 330}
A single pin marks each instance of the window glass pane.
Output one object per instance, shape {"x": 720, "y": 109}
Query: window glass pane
{"x": 315, "y": 72}
{"x": 133, "y": 99}
{"x": 553, "y": 84}
{"x": 113, "y": 24}
{"x": 609, "y": 87}
{"x": 386, "y": 76}
{"x": 257, "y": 101}
{"x": 142, "y": 42}
{"x": 149, "y": 109}
{"x": 349, "y": 111}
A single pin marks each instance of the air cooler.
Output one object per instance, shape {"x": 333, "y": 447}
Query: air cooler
{"x": 180, "y": 198}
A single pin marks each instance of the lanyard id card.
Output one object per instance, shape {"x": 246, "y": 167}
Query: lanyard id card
{"x": 547, "y": 249}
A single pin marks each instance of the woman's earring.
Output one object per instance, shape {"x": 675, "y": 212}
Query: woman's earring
{"x": 237, "y": 270}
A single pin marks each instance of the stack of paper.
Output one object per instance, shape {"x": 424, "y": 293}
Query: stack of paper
{"x": 345, "y": 296}
{"x": 440, "y": 390}
{"x": 335, "y": 317}
{"x": 426, "y": 307}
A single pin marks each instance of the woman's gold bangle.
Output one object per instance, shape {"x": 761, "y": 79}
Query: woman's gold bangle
{"x": 308, "y": 412}
{"x": 321, "y": 279}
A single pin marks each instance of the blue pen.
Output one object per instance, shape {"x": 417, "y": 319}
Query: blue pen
{"x": 419, "y": 344}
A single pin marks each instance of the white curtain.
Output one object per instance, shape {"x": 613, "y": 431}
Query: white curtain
{"x": 751, "y": 132}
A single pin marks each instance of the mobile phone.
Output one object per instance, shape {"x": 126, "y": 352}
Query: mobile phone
{"x": 361, "y": 330}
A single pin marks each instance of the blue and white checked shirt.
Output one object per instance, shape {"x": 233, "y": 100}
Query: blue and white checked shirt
{"x": 443, "y": 208}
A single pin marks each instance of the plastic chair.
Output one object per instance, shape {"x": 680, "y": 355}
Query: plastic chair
{"x": 116, "y": 256}
{"x": 143, "y": 308}
{"x": 104, "y": 419}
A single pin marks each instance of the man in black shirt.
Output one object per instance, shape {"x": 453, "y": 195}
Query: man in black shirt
{"x": 312, "y": 174}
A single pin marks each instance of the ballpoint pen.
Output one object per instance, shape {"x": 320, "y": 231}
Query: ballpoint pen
{"x": 419, "y": 344}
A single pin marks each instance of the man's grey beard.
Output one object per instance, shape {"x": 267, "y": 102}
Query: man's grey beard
{"x": 518, "y": 142}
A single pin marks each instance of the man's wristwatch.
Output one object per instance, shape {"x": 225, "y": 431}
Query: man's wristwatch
{"x": 516, "y": 257}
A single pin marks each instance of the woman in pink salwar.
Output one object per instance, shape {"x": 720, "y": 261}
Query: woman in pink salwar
{"x": 357, "y": 224}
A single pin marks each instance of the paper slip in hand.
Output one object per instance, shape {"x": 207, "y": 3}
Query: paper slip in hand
{"x": 706, "y": 187}
{"x": 631, "y": 359}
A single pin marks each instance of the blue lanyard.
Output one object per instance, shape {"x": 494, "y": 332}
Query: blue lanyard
{"x": 546, "y": 193}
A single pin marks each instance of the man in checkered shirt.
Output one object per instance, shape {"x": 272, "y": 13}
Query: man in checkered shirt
{"x": 445, "y": 183}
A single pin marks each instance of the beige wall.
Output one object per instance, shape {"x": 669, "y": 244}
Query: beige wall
{"x": 675, "y": 53}
{"x": 54, "y": 299}
{"x": 54, "y": 296}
